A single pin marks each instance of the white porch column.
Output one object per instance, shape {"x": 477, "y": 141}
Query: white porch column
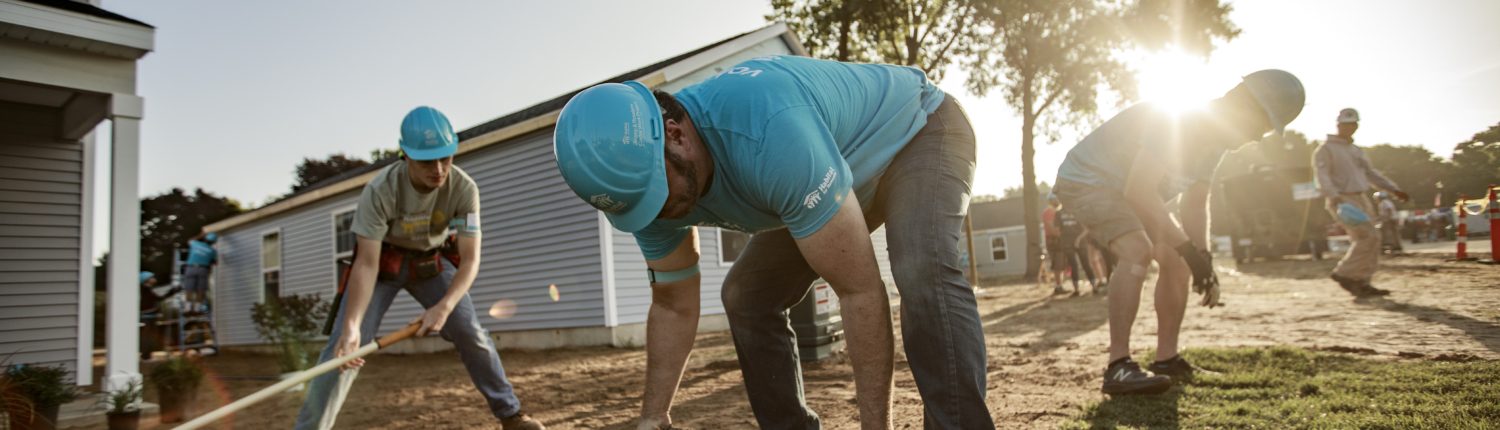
{"x": 124, "y": 242}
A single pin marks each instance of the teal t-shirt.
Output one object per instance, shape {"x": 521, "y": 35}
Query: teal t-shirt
{"x": 200, "y": 253}
{"x": 1103, "y": 158}
{"x": 790, "y": 137}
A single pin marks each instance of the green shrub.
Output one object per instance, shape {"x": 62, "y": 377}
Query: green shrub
{"x": 177, "y": 374}
{"x": 44, "y": 386}
{"x": 291, "y": 322}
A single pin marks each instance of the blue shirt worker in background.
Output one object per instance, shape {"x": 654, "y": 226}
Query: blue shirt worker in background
{"x": 1118, "y": 181}
{"x": 200, "y": 262}
{"x": 810, "y": 156}
{"x": 406, "y": 214}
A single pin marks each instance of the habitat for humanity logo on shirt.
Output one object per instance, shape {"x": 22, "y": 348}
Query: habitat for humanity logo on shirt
{"x": 815, "y": 197}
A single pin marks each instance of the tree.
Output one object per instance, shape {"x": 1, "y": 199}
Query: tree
{"x": 926, "y": 34}
{"x": 1476, "y": 165}
{"x": 1049, "y": 58}
{"x": 172, "y": 218}
{"x": 312, "y": 171}
{"x": 378, "y": 155}
{"x": 1413, "y": 168}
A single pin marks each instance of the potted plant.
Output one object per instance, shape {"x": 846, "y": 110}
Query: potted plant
{"x": 123, "y": 406}
{"x": 47, "y": 388}
{"x": 13, "y": 404}
{"x": 176, "y": 381}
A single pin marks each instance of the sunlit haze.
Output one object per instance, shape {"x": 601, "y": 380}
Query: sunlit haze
{"x": 237, "y": 93}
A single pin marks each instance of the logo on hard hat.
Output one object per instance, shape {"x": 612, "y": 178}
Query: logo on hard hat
{"x": 604, "y": 203}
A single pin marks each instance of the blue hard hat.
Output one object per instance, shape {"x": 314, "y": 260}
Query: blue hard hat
{"x": 426, "y": 134}
{"x": 145, "y": 276}
{"x": 609, "y": 144}
{"x": 211, "y": 237}
{"x": 1280, "y": 95}
{"x": 1351, "y": 214}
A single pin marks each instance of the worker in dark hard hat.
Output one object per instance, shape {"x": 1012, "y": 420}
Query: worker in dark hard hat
{"x": 1119, "y": 179}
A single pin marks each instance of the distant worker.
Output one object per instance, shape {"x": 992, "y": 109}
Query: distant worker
{"x": 404, "y": 218}
{"x": 200, "y": 263}
{"x": 151, "y": 336}
{"x": 1052, "y": 235}
{"x": 1390, "y": 223}
{"x": 1075, "y": 250}
{"x": 1344, "y": 177}
{"x": 1118, "y": 181}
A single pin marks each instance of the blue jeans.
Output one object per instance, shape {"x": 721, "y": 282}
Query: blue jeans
{"x": 462, "y": 329}
{"x": 922, "y": 199}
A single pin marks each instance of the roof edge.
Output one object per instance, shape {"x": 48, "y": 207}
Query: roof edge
{"x": 652, "y": 76}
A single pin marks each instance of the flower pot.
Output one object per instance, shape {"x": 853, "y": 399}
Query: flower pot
{"x": 42, "y": 418}
{"x": 175, "y": 404}
{"x": 124, "y": 420}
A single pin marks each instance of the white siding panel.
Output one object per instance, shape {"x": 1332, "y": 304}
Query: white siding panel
{"x": 40, "y": 200}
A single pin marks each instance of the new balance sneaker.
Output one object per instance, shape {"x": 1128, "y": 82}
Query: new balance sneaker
{"x": 521, "y": 421}
{"x": 1125, "y": 377}
{"x": 1176, "y": 368}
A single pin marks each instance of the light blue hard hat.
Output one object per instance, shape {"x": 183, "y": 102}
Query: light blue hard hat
{"x": 1351, "y": 214}
{"x": 211, "y": 237}
{"x": 609, "y": 144}
{"x": 146, "y": 276}
{"x": 1279, "y": 93}
{"x": 426, "y": 134}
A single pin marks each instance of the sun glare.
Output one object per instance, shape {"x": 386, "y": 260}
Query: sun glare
{"x": 1174, "y": 80}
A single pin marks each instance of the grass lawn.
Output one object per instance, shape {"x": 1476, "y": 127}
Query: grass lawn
{"x": 1286, "y": 387}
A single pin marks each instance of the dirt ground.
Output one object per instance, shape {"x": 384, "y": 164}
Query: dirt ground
{"x": 1046, "y": 354}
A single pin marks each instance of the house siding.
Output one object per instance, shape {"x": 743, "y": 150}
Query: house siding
{"x": 41, "y": 198}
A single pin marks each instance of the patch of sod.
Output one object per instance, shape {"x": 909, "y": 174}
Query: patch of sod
{"x": 1286, "y": 387}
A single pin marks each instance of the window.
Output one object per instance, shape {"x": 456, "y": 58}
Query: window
{"x": 343, "y": 234}
{"x": 343, "y": 244}
{"x": 998, "y": 249}
{"x": 731, "y": 245}
{"x": 270, "y": 266}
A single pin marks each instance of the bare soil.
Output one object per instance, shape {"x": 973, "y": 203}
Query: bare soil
{"x": 1046, "y": 355}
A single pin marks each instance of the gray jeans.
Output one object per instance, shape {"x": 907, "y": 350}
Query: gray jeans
{"x": 922, "y": 200}
{"x": 473, "y": 342}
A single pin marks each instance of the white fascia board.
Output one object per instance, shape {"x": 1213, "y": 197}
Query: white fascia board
{"x": 78, "y": 25}
{"x": 706, "y": 58}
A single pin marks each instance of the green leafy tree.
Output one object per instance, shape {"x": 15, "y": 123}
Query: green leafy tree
{"x": 312, "y": 171}
{"x": 926, "y": 34}
{"x": 172, "y": 218}
{"x": 1476, "y": 165}
{"x": 1413, "y": 168}
{"x": 1049, "y": 59}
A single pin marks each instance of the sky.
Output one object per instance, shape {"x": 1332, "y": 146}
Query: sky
{"x": 237, "y": 93}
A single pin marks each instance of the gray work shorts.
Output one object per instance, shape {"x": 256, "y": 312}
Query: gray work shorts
{"x": 1102, "y": 210}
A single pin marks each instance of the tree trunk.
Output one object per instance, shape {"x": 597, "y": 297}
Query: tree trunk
{"x": 1029, "y": 198}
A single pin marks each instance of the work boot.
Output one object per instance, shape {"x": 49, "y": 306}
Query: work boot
{"x": 1059, "y": 290}
{"x": 521, "y": 421}
{"x": 1125, "y": 377}
{"x": 1358, "y": 288}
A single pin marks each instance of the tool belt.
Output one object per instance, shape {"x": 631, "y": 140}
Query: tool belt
{"x": 420, "y": 264}
{"x": 423, "y": 265}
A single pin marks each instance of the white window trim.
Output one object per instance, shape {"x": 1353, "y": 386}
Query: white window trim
{"x": 260, "y": 258}
{"x": 333, "y": 251}
{"x": 1004, "y": 241}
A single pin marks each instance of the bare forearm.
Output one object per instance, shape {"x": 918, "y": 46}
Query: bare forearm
{"x": 670, "y": 332}
{"x": 357, "y": 297}
{"x": 1195, "y": 217}
{"x": 867, "y": 321}
{"x": 1158, "y": 222}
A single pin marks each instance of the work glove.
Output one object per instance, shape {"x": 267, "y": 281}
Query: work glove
{"x": 1205, "y": 282}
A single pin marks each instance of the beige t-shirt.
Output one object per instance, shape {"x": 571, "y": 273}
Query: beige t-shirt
{"x": 391, "y": 210}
